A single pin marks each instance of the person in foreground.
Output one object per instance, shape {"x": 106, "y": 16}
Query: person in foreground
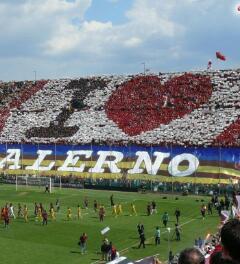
{"x": 230, "y": 238}
{"x": 191, "y": 256}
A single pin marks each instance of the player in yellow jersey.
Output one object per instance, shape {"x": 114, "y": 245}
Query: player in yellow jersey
{"x": 39, "y": 214}
{"x": 114, "y": 210}
{"x": 52, "y": 214}
{"x": 119, "y": 209}
{"x": 133, "y": 210}
{"x": 25, "y": 213}
{"x": 79, "y": 213}
{"x": 20, "y": 214}
{"x": 69, "y": 213}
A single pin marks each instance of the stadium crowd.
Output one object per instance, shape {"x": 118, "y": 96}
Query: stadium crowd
{"x": 222, "y": 248}
{"x": 145, "y": 110}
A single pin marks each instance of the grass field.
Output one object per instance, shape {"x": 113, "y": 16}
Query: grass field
{"x": 57, "y": 242}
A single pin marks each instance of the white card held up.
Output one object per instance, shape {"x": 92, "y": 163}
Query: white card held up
{"x": 105, "y": 230}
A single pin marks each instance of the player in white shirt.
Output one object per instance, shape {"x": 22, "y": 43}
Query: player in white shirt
{"x": 11, "y": 211}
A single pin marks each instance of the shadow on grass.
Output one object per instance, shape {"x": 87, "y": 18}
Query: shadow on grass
{"x": 149, "y": 244}
{"x": 135, "y": 247}
{"x": 75, "y": 252}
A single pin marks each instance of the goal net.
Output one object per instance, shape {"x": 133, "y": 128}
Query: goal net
{"x": 46, "y": 183}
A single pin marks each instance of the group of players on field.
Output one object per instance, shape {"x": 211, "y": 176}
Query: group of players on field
{"x": 42, "y": 215}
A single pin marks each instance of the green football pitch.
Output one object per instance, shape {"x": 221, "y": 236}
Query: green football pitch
{"x": 58, "y": 241}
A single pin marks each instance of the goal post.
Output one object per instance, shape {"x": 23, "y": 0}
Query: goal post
{"x": 26, "y": 181}
{"x": 50, "y": 185}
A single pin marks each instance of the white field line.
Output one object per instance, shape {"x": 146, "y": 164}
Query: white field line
{"x": 164, "y": 232}
{"x": 126, "y": 249}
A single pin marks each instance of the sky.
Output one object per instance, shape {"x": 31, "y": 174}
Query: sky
{"x": 75, "y": 38}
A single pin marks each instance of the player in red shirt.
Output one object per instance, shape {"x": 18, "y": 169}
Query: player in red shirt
{"x": 44, "y": 217}
{"x": 101, "y": 213}
{"x": 5, "y": 215}
{"x": 82, "y": 242}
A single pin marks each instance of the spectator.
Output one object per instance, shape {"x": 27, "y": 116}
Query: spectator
{"x": 214, "y": 121}
{"x": 170, "y": 257}
{"x": 216, "y": 258}
{"x": 230, "y": 238}
{"x": 200, "y": 242}
{"x": 191, "y": 256}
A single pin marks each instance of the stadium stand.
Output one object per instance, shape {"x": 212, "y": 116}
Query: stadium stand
{"x": 197, "y": 109}
{"x": 13, "y": 94}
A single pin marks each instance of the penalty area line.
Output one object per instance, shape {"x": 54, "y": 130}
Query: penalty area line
{"x": 164, "y": 232}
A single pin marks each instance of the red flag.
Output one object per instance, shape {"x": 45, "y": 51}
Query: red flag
{"x": 220, "y": 56}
